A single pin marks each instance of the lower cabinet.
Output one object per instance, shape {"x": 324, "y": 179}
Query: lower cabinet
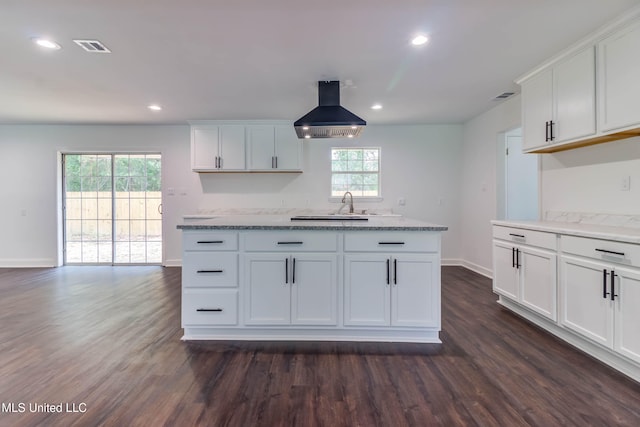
{"x": 600, "y": 303}
{"x": 392, "y": 290}
{"x": 298, "y": 289}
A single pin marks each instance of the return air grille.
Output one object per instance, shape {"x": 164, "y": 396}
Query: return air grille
{"x": 93, "y": 46}
{"x": 503, "y": 95}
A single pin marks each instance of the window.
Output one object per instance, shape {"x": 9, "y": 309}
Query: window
{"x": 356, "y": 170}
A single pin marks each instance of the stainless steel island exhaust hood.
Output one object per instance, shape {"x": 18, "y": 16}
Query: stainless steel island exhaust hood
{"x": 329, "y": 119}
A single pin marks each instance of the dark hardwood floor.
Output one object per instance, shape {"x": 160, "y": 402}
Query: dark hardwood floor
{"x": 106, "y": 341}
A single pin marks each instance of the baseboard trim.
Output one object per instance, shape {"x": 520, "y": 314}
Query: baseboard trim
{"x": 469, "y": 266}
{"x": 172, "y": 262}
{"x": 28, "y": 263}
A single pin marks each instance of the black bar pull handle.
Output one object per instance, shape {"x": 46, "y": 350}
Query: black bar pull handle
{"x": 546, "y": 131}
{"x": 518, "y": 258}
{"x": 391, "y": 243}
{"x": 513, "y": 257}
{"x": 605, "y": 273}
{"x": 395, "y": 271}
{"x": 210, "y": 271}
{"x": 210, "y": 242}
{"x": 613, "y": 285}
{"x": 517, "y": 235}
{"x": 276, "y": 161}
{"x": 286, "y": 270}
{"x": 388, "y": 261}
{"x": 293, "y": 271}
{"x": 610, "y": 252}
{"x": 551, "y": 135}
{"x": 209, "y": 309}
{"x": 290, "y": 243}
{"x": 273, "y": 164}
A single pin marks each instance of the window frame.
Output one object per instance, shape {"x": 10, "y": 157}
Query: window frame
{"x": 338, "y": 199}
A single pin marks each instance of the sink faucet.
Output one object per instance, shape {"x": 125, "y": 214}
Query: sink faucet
{"x": 344, "y": 202}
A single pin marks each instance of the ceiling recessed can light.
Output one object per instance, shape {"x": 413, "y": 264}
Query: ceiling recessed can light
{"x": 376, "y": 107}
{"x": 154, "y": 107}
{"x": 46, "y": 43}
{"x": 419, "y": 40}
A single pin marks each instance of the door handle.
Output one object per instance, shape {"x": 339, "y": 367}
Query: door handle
{"x": 388, "y": 261}
{"x": 604, "y": 283}
{"x": 613, "y": 285}
{"x": 395, "y": 271}
{"x": 286, "y": 270}
{"x": 293, "y": 271}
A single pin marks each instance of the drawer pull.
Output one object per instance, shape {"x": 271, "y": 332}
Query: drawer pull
{"x": 610, "y": 252}
{"x": 209, "y": 309}
{"x": 391, "y": 243}
{"x": 290, "y": 243}
{"x": 210, "y": 242}
{"x": 517, "y": 235}
{"x": 210, "y": 271}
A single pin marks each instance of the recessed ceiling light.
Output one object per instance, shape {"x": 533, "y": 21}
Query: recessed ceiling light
{"x": 376, "y": 107}
{"x": 419, "y": 40}
{"x": 154, "y": 107}
{"x": 46, "y": 43}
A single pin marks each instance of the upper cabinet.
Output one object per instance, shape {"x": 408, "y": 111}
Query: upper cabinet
{"x": 619, "y": 68}
{"x": 588, "y": 94}
{"x": 559, "y": 103}
{"x": 243, "y": 147}
{"x": 273, "y": 148}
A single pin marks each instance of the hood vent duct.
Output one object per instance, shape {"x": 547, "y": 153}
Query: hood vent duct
{"x": 329, "y": 119}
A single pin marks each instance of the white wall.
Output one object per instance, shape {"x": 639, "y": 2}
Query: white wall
{"x": 589, "y": 179}
{"x": 419, "y": 163}
{"x": 481, "y": 137}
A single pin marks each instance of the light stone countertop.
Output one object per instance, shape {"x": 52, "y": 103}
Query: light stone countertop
{"x": 605, "y": 232}
{"x": 284, "y": 222}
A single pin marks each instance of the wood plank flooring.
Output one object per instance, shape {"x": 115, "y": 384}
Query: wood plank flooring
{"x": 106, "y": 341}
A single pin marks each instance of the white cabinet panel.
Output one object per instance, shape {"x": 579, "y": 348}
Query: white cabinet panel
{"x": 539, "y": 281}
{"x": 314, "y": 289}
{"x": 232, "y": 147}
{"x": 505, "y": 273}
{"x": 627, "y": 314}
{"x": 209, "y": 307}
{"x": 267, "y": 294}
{"x": 618, "y": 79}
{"x": 204, "y": 147}
{"x": 288, "y": 149}
{"x": 261, "y": 146}
{"x": 537, "y": 110}
{"x": 210, "y": 269}
{"x": 415, "y": 298}
{"x": 367, "y": 282}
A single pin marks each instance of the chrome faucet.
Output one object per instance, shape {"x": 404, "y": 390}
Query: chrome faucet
{"x": 344, "y": 202}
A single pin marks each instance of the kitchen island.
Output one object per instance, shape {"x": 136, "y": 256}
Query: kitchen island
{"x": 271, "y": 277}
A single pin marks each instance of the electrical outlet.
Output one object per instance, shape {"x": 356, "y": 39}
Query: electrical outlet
{"x": 625, "y": 183}
{"x": 402, "y": 201}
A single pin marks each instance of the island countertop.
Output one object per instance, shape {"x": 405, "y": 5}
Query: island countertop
{"x": 284, "y": 222}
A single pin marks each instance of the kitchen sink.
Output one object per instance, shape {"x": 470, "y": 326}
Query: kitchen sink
{"x": 330, "y": 217}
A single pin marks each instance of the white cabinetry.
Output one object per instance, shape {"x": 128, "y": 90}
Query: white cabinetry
{"x": 209, "y": 279}
{"x": 217, "y": 148}
{"x": 389, "y": 285}
{"x": 524, "y": 265}
{"x": 619, "y": 68}
{"x": 600, "y": 289}
{"x": 273, "y": 148}
{"x": 559, "y": 103}
{"x": 284, "y": 287}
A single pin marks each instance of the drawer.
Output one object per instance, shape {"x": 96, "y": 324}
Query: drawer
{"x": 209, "y": 269}
{"x": 209, "y": 241}
{"x": 291, "y": 241}
{"x": 606, "y": 250}
{"x": 540, "y": 239}
{"x": 214, "y": 307}
{"x": 392, "y": 242}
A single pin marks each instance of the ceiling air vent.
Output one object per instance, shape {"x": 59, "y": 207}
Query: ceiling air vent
{"x": 93, "y": 46}
{"x": 503, "y": 95}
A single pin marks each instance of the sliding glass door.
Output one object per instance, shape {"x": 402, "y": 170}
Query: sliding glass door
{"x": 112, "y": 208}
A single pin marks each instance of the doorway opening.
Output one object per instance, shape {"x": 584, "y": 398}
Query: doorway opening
{"x": 112, "y": 208}
{"x": 517, "y": 174}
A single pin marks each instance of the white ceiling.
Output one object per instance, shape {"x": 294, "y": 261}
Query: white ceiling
{"x": 261, "y": 59}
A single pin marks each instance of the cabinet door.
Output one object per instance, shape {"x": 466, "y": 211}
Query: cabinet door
{"x": 505, "y": 275}
{"x": 574, "y": 92}
{"x": 537, "y": 109}
{"x": 232, "y": 147}
{"x": 267, "y": 289}
{"x": 260, "y": 140}
{"x": 618, "y": 77}
{"x": 627, "y": 315}
{"x": 415, "y": 294}
{"x": 538, "y": 281}
{"x": 288, "y": 148}
{"x": 204, "y": 148}
{"x": 314, "y": 289}
{"x": 584, "y": 309}
{"x": 367, "y": 290}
